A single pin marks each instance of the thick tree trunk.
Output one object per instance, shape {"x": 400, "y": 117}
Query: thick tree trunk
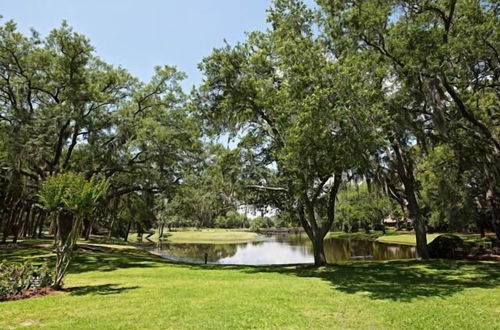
{"x": 319, "y": 251}
{"x": 316, "y": 236}
{"x": 419, "y": 227}
{"x": 307, "y": 218}
{"x": 404, "y": 167}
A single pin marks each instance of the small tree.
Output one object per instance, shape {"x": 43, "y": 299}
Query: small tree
{"x": 70, "y": 197}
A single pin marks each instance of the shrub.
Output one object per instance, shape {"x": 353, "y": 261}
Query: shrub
{"x": 18, "y": 277}
{"x": 231, "y": 220}
{"x": 261, "y": 222}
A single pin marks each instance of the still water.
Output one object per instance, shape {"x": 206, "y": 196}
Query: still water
{"x": 282, "y": 249}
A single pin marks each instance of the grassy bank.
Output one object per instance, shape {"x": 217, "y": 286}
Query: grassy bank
{"x": 203, "y": 236}
{"x": 403, "y": 237}
{"x": 124, "y": 287}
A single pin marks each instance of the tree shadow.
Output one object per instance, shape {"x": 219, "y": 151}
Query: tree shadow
{"x": 401, "y": 280}
{"x": 107, "y": 261}
{"x": 104, "y": 289}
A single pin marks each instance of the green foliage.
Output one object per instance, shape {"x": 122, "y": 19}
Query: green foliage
{"x": 232, "y": 219}
{"x": 448, "y": 193}
{"x": 72, "y": 192}
{"x": 261, "y": 222}
{"x": 210, "y": 191}
{"x": 357, "y": 207}
{"x": 18, "y": 277}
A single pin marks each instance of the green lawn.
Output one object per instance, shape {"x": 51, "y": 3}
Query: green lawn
{"x": 127, "y": 288}
{"x": 204, "y": 236}
{"x": 405, "y": 237}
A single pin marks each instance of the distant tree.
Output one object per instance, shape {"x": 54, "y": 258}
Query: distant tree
{"x": 358, "y": 207}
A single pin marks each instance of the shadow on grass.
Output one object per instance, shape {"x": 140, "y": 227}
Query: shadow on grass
{"x": 104, "y": 289}
{"x": 109, "y": 261}
{"x": 85, "y": 259}
{"x": 401, "y": 280}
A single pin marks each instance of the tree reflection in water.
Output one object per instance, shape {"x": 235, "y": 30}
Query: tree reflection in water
{"x": 283, "y": 249}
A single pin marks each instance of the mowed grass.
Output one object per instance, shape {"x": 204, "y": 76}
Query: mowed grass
{"x": 203, "y": 236}
{"x": 128, "y": 288}
{"x": 407, "y": 237}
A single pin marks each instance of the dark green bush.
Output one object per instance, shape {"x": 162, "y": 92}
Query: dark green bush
{"x": 231, "y": 220}
{"x": 261, "y": 222}
{"x": 18, "y": 277}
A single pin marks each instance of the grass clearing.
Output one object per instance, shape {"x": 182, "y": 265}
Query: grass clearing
{"x": 405, "y": 237}
{"x": 128, "y": 288}
{"x": 222, "y": 236}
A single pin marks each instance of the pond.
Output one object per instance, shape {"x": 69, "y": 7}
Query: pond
{"x": 282, "y": 249}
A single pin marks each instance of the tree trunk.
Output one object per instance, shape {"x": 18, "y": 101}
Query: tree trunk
{"x": 128, "y": 230}
{"x": 404, "y": 167}
{"x": 110, "y": 232}
{"x": 307, "y": 218}
{"x": 16, "y": 223}
{"x": 366, "y": 226}
{"x": 495, "y": 219}
{"x": 160, "y": 230}
{"x": 89, "y": 229}
{"x": 15, "y": 233}
{"x": 7, "y": 229}
{"x": 43, "y": 214}
{"x": 418, "y": 226}
{"x": 319, "y": 251}
{"x": 64, "y": 246}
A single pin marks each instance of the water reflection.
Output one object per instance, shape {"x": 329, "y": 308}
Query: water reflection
{"x": 283, "y": 249}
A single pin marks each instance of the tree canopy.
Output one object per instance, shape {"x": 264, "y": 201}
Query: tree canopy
{"x": 342, "y": 113}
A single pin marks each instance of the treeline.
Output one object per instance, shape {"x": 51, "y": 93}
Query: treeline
{"x": 397, "y": 98}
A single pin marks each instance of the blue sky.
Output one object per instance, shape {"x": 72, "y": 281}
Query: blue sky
{"x": 139, "y": 34}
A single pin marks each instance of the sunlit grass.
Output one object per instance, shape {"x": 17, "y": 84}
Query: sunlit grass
{"x": 404, "y": 238}
{"x": 202, "y": 236}
{"x": 401, "y": 237}
{"x": 112, "y": 289}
